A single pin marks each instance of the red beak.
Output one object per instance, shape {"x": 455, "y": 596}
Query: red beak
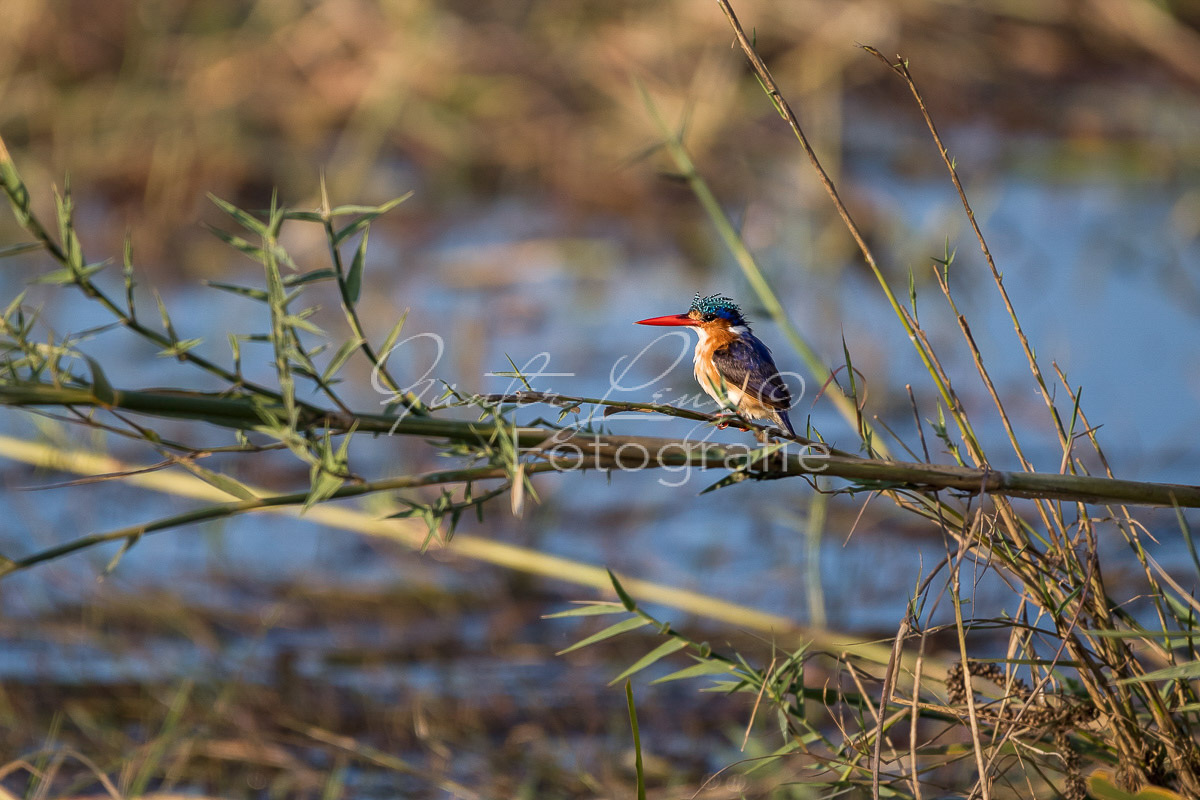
{"x": 670, "y": 319}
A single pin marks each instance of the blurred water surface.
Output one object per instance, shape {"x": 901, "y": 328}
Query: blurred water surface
{"x": 1100, "y": 269}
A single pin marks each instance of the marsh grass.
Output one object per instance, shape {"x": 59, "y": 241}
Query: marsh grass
{"x": 1083, "y": 682}
{"x": 1072, "y": 679}
{"x": 151, "y": 108}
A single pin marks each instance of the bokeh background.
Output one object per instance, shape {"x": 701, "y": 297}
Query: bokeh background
{"x": 545, "y": 218}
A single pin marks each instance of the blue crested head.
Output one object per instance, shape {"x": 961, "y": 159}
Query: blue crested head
{"x": 717, "y": 306}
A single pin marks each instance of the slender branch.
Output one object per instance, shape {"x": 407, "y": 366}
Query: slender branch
{"x": 466, "y": 545}
{"x": 223, "y": 510}
{"x": 574, "y": 449}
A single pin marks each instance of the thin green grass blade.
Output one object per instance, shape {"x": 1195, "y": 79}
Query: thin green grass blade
{"x": 1186, "y": 530}
{"x": 225, "y": 483}
{"x": 624, "y": 626}
{"x": 589, "y": 610}
{"x": 706, "y": 667}
{"x": 102, "y": 390}
{"x": 161, "y": 745}
{"x": 637, "y": 742}
{"x": 1187, "y": 671}
{"x": 309, "y": 277}
{"x": 237, "y": 242}
{"x": 258, "y": 295}
{"x": 665, "y": 649}
{"x": 369, "y": 215}
{"x": 68, "y": 275}
{"x": 354, "y": 278}
{"x": 180, "y": 347}
{"x": 737, "y": 476}
{"x": 335, "y": 786}
{"x": 392, "y": 336}
{"x": 626, "y": 599}
{"x": 18, "y": 249}
{"x": 243, "y": 218}
{"x": 340, "y": 358}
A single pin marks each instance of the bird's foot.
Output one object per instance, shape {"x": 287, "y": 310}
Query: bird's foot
{"x": 734, "y": 420}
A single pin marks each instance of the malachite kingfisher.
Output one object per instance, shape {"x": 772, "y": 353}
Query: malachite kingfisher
{"x": 731, "y": 365}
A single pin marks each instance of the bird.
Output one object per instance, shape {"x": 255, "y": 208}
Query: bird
{"x": 732, "y": 365}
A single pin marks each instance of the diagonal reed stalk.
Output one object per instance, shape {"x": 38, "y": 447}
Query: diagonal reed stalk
{"x": 673, "y": 142}
{"x": 409, "y": 533}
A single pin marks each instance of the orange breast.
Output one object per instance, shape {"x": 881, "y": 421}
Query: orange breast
{"x": 710, "y": 380}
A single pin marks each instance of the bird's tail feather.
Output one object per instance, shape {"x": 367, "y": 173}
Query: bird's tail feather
{"x": 782, "y": 418}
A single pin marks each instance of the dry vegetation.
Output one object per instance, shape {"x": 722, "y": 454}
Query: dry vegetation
{"x": 155, "y": 105}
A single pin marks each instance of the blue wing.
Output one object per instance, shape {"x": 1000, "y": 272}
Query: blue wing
{"x": 747, "y": 362}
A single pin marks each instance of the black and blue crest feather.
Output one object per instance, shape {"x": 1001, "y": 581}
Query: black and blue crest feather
{"x": 718, "y": 305}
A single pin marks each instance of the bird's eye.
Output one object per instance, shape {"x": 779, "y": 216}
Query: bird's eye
{"x": 709, "y": 317}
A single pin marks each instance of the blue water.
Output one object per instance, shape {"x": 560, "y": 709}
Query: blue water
{"x": 1103, "y": 275}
